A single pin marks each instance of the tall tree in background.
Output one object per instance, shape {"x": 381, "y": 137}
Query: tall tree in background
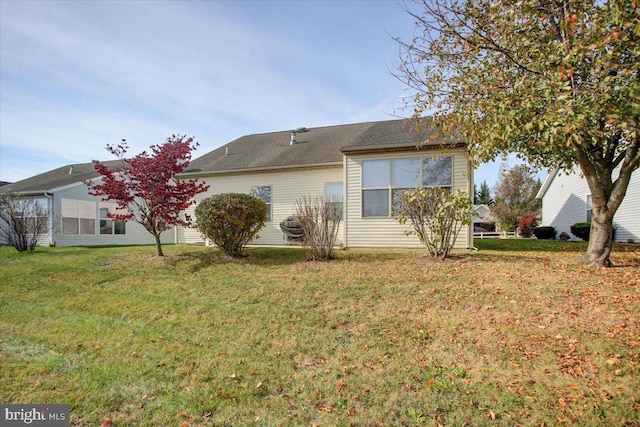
{"x": 483, "y": 196}
{"x": 556, "y": 81}
{"x": 145, "y": 189}
{"x": 515, "y": 194}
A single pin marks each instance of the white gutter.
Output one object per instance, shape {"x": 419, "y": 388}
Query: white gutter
{"x": 52, "y": 230}
{"x": 344, "y": 203}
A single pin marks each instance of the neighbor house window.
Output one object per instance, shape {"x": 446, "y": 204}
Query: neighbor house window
{"x": 263, "y": 193}
{"x": 30, "y": 223}
{"x": 78, "y": 217}
{"x": 383, "y": 181}
{"x": 589, "y": 209}
{"x": 334, "y": 195}
{"x": 108, "y": 225}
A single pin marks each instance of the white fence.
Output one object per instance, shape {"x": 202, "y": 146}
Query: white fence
{"x": 495, "y": 235}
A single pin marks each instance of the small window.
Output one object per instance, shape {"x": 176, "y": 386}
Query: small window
{"x": 334, "y": 194}
{"x": 264, "y": 193}
{"x": 108, "y": 225}
{"x": 589, "y": 209}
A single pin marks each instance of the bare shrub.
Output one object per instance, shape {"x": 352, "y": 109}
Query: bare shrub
{"x": 23, "y": 221}
{"x": 320, "y": 219}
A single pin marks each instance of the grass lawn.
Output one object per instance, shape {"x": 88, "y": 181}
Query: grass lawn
{"x": 497, "y": 337}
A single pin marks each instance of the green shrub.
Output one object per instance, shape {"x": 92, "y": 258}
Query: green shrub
{"x": 527, "y": 223}
{"x": 545, "y": 232}
{"x": 581, "y": 230}
{"x": 231, "y": 220}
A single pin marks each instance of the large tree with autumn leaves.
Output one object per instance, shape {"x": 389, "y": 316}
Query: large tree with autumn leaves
{"x": 145, "y": 188}
{"x": 556, "y": 81}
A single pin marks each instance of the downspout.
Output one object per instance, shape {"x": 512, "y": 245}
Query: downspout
{"x": 345, "y": 198}
{"x": 175, "y": 234}
{"x": 49, "y": 196}
{"x": 470, "y": 192}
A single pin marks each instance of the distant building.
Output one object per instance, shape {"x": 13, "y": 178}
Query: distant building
{"x": 566, "y": 199}
{"x": 78, "y": 218}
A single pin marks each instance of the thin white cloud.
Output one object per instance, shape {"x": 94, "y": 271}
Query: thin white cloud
{"x": 78, "y": 75}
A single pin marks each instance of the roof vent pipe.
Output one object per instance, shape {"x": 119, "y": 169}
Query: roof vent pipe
{"x": 71, "y": 170}
{"x": 226, "y": 151}
{"x": 293, "y": 138}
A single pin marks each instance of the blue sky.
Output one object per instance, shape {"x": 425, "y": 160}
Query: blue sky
{"x": 78, "y": 75}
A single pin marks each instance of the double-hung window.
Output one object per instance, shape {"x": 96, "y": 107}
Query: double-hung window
{"x": 108, "y": 225}
{"x": 383, "y": 181}
{"x": 263, "y": 192}
{"x": 589, "y": 208}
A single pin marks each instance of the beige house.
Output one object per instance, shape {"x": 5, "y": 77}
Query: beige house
{"x": 367, "y": 165}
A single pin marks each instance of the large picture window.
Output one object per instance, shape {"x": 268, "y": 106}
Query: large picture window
{"x": 263, "y": 192}
{"x": 383, "y": 181}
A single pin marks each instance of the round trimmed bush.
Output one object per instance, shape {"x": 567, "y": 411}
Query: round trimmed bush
{"x": 545, "y": 232}
{"x": 231, "y": 220}
{"x": 581, "y": 230}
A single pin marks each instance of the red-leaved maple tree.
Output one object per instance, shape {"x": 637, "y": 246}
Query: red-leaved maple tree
{"x": 144, "y": 186}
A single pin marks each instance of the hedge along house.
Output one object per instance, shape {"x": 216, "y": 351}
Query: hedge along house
{"x": 77, "y": 218}
{"x": 366, "y": 165}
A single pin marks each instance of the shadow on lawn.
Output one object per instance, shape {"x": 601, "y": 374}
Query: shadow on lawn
{"x": 273, "y": 257}
{"x": 253, "y": 256}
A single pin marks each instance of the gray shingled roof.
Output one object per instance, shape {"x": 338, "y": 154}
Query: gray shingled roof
{"x": 60, "y": 177}
{"x": 316, "y": 146}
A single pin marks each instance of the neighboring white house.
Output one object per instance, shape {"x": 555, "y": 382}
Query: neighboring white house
{"x": 77, "y": 218}
{"x": 366, "y": 164}
{"x": 566, "y": 199}
{"x": 483, "y": 218}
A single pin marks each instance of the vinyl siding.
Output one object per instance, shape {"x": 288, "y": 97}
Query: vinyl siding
{"x": 565, "y": 203}
{"x": 135, "y": 233}
{"x": 387, "y": 232}
{"x": 286, "y": 187}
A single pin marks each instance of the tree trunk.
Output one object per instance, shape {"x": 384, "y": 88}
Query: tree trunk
{"x": 158, "y": 244}
{"x": 600, "y": 242}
